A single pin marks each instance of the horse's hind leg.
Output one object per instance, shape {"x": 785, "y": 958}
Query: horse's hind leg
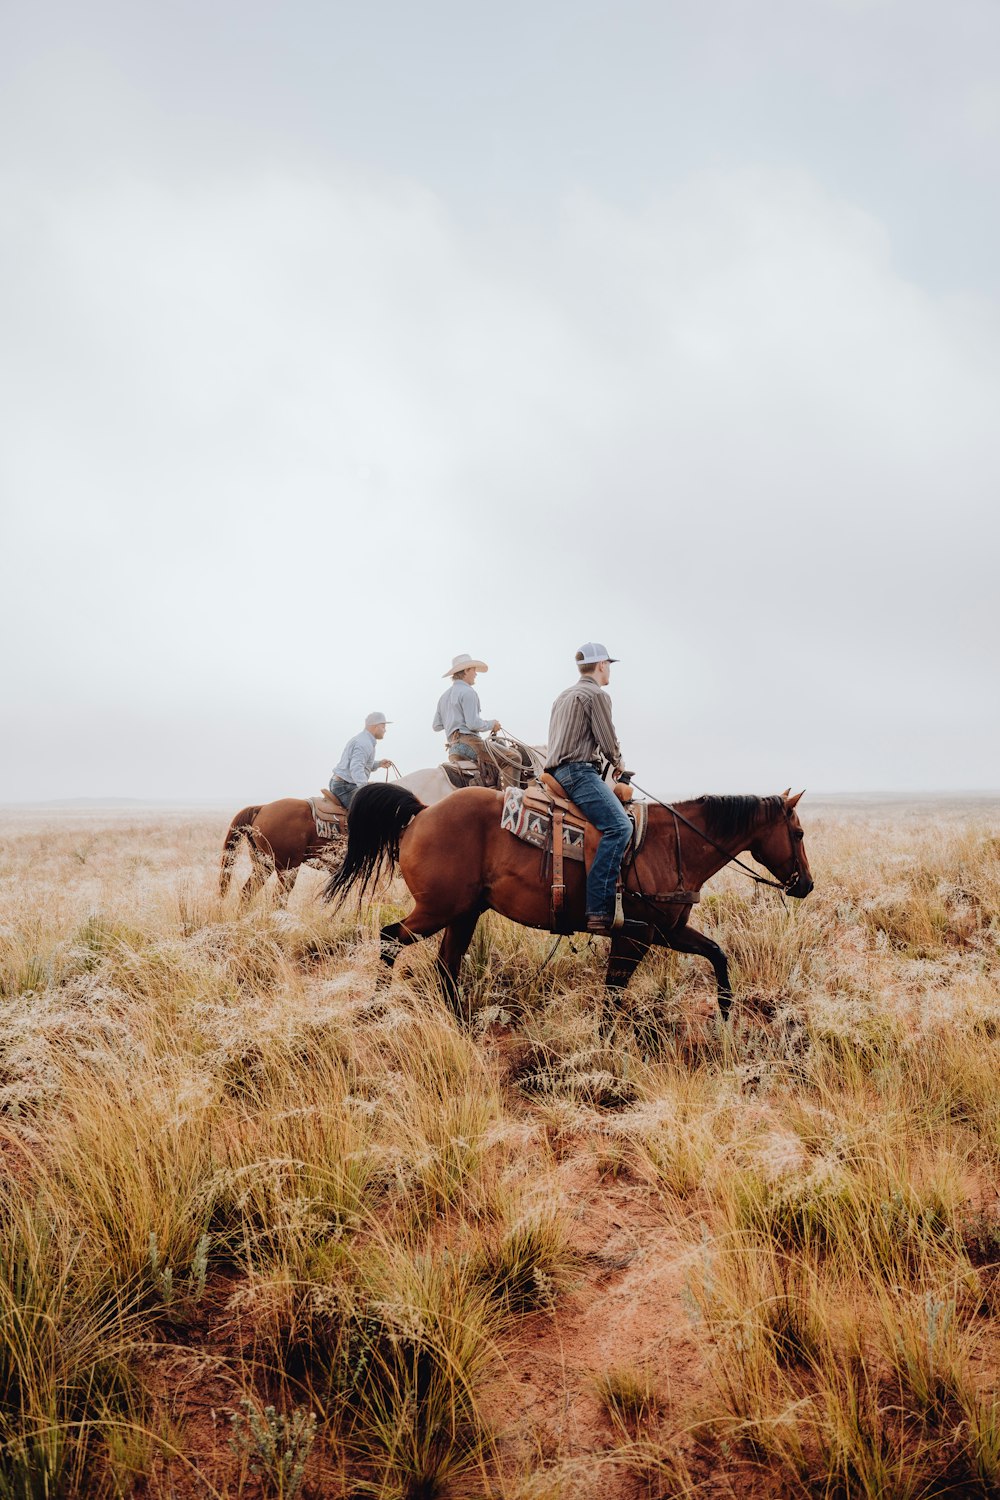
{"x": 261, "y": 866}
{"x": 391, "y": 943}
{"x": 398, "y": 935}
{"x": 454, "y": 946}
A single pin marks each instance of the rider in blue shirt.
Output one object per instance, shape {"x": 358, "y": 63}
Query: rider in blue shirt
{"x": 358, "y": 761}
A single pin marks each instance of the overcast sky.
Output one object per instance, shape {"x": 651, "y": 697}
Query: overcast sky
{"x": 337, "y": 339}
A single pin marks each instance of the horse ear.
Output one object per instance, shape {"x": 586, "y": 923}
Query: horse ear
{"x": 787, "y": 792}
{"x": 792, "y": 800}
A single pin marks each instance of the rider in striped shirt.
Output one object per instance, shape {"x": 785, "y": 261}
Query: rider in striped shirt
{"x": 581, "y": 734}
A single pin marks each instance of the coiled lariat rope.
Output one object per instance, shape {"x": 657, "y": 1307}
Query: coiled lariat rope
{"x": 535, "y": 754}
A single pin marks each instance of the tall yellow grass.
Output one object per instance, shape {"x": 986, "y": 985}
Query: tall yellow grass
{"x": 219, "y": 1139}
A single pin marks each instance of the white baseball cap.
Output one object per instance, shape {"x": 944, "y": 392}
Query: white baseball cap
{"x": 591, "y": 652}
{"x": 371, "y": 719}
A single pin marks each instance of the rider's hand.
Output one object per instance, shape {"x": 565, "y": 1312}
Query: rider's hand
{"x": 496, "y": 726}
{"x": 384, "y": 765}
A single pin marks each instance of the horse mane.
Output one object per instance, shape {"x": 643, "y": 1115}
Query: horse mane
{"x": 732, "y": 817}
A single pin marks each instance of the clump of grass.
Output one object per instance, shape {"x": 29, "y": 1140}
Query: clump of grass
{"x": 764, "y": 1316}
{"x": 590, "y": 1076}
{"x": 869, "y": 1216}
{"x": 770, "y": 945}
{"x": 927, "y": 1346}
{"x": 982, "y": 1443}
{"x": 64, "y": 1355}
{"x": 630, "y": 1395}
{"x": 136, "y": 1165}
{"x": 528, "y": 1265}
{"x": 422, "y": 1344}
{"x": 393, "y": 1343}
{"x": 672, "y": 1139}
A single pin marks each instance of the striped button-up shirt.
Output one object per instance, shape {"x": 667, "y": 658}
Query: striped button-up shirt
{"x": 358, "y": 760}
{"x": 580, "y": 727}
{"x": 458, "y": 711}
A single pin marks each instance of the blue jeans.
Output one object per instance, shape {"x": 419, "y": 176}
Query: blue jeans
{"x": 343, "y": 790}
{"x": 582, "y": 784}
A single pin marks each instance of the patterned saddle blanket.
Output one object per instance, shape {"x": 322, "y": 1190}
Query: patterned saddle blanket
{"x": 330, "y": 816}
{"x": 528, "y": 816}
{"x": 531, "y": 820}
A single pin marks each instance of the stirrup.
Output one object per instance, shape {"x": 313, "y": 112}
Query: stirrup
{"x": 629, "y": 929}
{"x": 618, "y": 920}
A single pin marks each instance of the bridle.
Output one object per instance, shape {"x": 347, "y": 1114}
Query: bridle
{"x": 784, "y": 886}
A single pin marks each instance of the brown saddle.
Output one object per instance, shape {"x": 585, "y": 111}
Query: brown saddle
{"x": 329, "y": 815}
{"x": 461, "y": 778}
{"x": 546, "y": 817}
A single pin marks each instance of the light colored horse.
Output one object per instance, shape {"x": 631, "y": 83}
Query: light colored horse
{"x": 433, "y": 784}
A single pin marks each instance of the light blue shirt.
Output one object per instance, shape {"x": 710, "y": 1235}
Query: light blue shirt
{"x": 458, "y": 711}
{"x": 358, "y": 760}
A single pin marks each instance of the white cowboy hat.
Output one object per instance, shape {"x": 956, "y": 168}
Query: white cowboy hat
{"x": 372, "y": 719}
{"x": 462, "y": 664}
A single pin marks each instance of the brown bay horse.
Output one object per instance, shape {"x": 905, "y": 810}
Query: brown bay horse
{"x": 281, "y": 837}
{"x": 458, "y": 862}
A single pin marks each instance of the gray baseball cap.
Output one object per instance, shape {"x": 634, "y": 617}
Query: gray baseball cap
{"x": 591, "y": 652}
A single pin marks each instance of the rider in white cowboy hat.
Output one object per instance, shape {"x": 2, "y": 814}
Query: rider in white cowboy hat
{"x": 460, "y": 716}
{"x": 358, "y": 760}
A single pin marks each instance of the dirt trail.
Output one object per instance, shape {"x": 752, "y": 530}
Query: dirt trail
{"x": 625, "y": 1309}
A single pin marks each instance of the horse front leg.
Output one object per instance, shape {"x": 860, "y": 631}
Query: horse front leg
{"x": 627, "y": 953}
{"x": 684, "y": 939}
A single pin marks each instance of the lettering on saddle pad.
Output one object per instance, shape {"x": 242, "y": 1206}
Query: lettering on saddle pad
{"x": 535, "y": 827}
{"x": 329, "y": 824}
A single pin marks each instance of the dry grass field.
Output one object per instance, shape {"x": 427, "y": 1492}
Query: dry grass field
{"x": 265, "y": 1234}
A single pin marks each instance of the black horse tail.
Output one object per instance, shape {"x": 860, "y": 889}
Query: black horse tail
{"x": 239, "y": 828}
{"x": 375, "y": 825}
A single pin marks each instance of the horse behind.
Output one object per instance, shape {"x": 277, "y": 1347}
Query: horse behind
{"x": 281, "y": 836}
{"x": 458, "y": 862}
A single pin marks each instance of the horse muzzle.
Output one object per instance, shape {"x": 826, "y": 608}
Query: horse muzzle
{"x": 800, "y": 887}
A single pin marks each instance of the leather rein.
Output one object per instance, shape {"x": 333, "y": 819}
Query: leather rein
{"x": 783, "y": 886}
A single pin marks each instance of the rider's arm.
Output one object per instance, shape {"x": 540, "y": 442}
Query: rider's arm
{"x": 359, "y": 766}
